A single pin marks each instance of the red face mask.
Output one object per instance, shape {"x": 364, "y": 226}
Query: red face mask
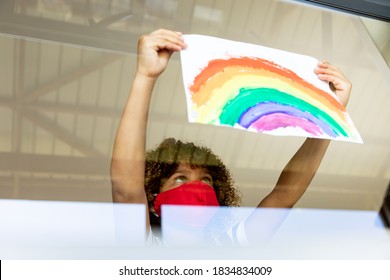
{"x": 191, "y": 193}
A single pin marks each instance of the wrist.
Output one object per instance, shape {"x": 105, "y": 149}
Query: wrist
{"x": 140, "y": 76}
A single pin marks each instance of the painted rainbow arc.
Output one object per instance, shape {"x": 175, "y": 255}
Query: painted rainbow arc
{"x": 260, "y": 95}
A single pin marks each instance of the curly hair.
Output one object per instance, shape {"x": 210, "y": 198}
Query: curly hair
{"x": 163, "y": 161}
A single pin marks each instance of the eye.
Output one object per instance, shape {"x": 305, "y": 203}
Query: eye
{"x": 180, "y": 179}
{"x": 207, "y": 180}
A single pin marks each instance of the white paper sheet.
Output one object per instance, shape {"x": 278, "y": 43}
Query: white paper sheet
{"x": 260, "y": 89}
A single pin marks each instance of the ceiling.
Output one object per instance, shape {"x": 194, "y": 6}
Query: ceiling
{"x": 66, "y": 67}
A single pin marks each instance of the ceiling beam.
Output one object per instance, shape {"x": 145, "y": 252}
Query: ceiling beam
{"x": 61, "y": 133}
{"x": 26, "y": 26}
{"x": 75, "y": 109}
{"x": 32, "y": 95}
{"x": 327, "y": 38}
{"x": 51, "y": 164}
{"x": 86, "y": 110}
{"x": 377, "y": 57}
{"x": 100, "y": 166}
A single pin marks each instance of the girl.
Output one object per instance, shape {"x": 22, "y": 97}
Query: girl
{"x": 183, "y": 173}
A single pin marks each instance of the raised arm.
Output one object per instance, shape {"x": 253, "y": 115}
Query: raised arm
{"x": 128, "y": 157}
{"x": 300, "y": 170}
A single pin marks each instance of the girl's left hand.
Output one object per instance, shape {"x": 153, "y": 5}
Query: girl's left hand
{"x": 338, "y": 83}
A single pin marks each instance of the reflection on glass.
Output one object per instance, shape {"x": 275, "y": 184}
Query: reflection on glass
{"x": 55, "y": 224}
{"x": 80, "y": 230}
{"x": 273, "y": 228}
{"x": 121, "y": 15}
{"x": 219, "y": 226}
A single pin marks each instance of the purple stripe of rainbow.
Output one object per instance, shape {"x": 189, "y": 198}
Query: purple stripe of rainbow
{"x": 280, "y": 120}
{"x": 257, "y": 112}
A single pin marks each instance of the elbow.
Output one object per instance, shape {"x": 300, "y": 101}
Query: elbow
{"x": 120, "y": 197}
{"x": 124, "y": 191}
{"x": 277, "y": 200}
{"x": 127, "y": 183}
{"x": 119, "y": 191}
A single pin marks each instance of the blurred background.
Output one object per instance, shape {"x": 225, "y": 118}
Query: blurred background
{"x": 66, "y": 67}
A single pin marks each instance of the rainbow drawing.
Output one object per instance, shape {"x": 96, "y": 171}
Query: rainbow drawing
{"x": 260, "y": 93}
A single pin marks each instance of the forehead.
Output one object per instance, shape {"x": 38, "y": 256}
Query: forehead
{"x": 187, "y": 168}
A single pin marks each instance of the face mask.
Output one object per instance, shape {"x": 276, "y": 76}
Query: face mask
{"x": 191, "y": 193}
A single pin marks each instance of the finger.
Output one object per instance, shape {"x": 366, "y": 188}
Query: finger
{"x": 166, "y": 44}
{"x": 174, "y": 37}
{"x": 163, "y": 39}
{"x": 325, "y": 67}
{"x": 157, "y": 44}
{"x": 330, "y": 72}
{"x": 339, "y": 83}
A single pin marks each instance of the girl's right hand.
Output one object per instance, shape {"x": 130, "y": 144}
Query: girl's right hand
{"x": 155, "y": 49}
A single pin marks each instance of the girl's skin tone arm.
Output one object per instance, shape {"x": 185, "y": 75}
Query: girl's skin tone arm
{"x": 300, "y": 170}
{"x": 128, "y": 157}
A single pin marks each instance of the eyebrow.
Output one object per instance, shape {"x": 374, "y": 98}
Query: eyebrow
{"x": 186, "y": 171}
